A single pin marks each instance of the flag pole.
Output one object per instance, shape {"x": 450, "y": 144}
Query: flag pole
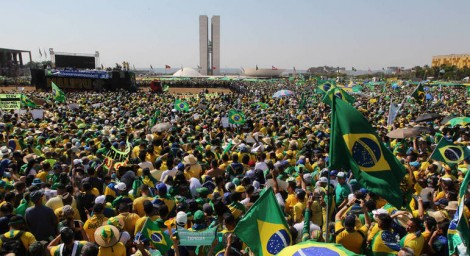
{"x": 434, "y": 149}
{"x": 327, "y": 219}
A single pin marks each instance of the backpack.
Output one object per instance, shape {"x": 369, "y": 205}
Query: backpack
{"x": 13, "y": 245}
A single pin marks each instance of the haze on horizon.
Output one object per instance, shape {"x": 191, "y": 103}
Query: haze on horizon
{"x": 361, "y": 34}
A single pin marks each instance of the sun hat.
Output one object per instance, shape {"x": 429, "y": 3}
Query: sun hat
{"x": 36, "y": 181}
{"x": 190, "y": 159}
{"x": 36, "y": 195}
{"x": 107, "y": 236}
{"x": 452, "y": 206}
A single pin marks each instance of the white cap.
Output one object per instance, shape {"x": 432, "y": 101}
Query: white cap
{"x": 341, "y": 175}
{"x": 379, "y": 211}
{"x": 121, "y": 186}
{"x": 181, "y": 218}
{"x": 323, "y": 180}
{"x": 77, "y": 161}
{"x": 100, "y": 199}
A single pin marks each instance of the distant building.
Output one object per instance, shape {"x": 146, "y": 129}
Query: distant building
{"x": 209, "y": 46}
{"x": 458, "y": 60}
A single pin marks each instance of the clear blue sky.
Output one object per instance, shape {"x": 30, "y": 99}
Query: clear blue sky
{"x": 286, "y": 33}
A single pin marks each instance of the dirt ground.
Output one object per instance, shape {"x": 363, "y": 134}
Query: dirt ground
{"x": 12, "y": 89}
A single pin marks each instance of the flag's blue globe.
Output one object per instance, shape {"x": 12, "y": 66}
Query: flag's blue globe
{"x": 453, "y": 153}
{"x": 156, "y": 237}
{"x": 366, "y": 152}
{"x": 315, "y": 251}
{"x": 181, "y": 105}
{"x": 326, "y": 86}
{"x": 278, "y": 241}
{"x": 236, "y": 117}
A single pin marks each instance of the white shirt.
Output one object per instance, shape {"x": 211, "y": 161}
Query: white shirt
{"x": 300, "y": 226}
{"x": 261, "y": 165}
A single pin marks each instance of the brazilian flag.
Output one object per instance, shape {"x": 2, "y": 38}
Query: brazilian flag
{"x": 57, "y": 93}
{"x": 338, "y": 93}
{"x": 316, "y": 248}
{"x": 449, "y": 153}
{"x": 261, "y": 105}
{"x": 159, "y": 239}
{"x": 181, "y": 105}
{"x": 356, "y": 146}
{"x": 27, "y": 102}
{"x": 458, "y": 234}
{"x": 264, "y": 228}
{"x": 324, "y": 87}
{"x": 418, "y": 94}
{"x": 236, "y": 117}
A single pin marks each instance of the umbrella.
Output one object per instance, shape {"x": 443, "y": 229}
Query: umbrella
{"x": 161, "y": 127}
{"x": 316, "y": 248}
{"x": 447, "y": 118}
{"x": 459, "y": 121}
{"x": 283, "y": 93}
{"x": 427, "y": 117}
{"x": 405, "y": 133}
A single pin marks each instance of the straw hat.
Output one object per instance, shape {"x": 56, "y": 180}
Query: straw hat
{"x": 403, "y": 219}
{"x": 107, "y": 236}
{"x": 190, "y": 159}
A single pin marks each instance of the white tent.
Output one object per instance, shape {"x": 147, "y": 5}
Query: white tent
{"x": 186, "y": 72}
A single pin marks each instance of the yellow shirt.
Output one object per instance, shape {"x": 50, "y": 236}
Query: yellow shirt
{"x": 298, "y": 211}
{"x": 42, "y": 175}
{"x": 27, "y": 238}
{"x": 129, "y": 221}
{"x": 138, "y": 205}
{"x": 350, "y": 240}
{"x": 116, "y": 250}
{"x": 92, "y": 224}
{"x": 413, "y": 242}
{"x": 55, "y": 249}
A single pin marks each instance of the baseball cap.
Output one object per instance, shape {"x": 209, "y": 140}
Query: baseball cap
{"x": 161, "y": 187}
{"x": 442, "y": 201}
{"x": 100, "y": 199}
{"x": 240, "y": 189}
{"x": 198, "y": 216}
{"x": 323, "y": 180}
{"x": 181, "y": 218}
{"x": 121, "y": 186}
{"x": 333, "y": 173}
{"x": 341, "y": 175}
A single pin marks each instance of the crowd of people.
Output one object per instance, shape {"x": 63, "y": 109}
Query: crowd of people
{"x": 69, "y": 179}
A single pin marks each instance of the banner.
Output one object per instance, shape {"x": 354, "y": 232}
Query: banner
{"x": 81, "y": 74}
{"x": 10, "y": 101}
{"x": 196, "y": 238}
{"x": 392, "y": 113}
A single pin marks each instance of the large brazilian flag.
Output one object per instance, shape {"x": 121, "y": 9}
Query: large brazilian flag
{"x": 316, "y": 248}
{"x": 264, "y": 228}
{"x": 449, "y": 153}
{"x": 356, "y": 146}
